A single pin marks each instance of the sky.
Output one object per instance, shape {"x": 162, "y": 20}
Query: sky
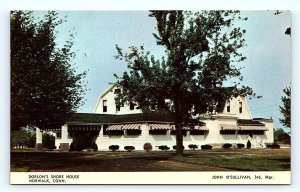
{"x": 267, "y": 69}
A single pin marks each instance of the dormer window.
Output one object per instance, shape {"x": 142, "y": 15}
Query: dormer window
{"x": 104, "y": 105}
{"x": 240, "y": 107}
{"x": 117, "y": 91}
{"x": 228, "y": 108}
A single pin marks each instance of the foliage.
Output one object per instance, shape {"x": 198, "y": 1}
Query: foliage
{"x": 285, "y": 110}
{"x": 175, "y": 146}
{"x": 22, "y": 138}
{"x": 129, "y": 148}
{"x": 147, "y": 147}
{"x": 45, "y": 87}
{"x": 48, "y": 141}
{"x": 114, "y": 147}
{"x": 273, "y": 145}
{"x": 240, "y": 145}
{"x": 201, "y": 50}
{"x": 94, "y": 146}
{"x": 193, "y": 146}
{"x": 281, "y": 136}
{"x": 227, "y": 145}
{"x": 163, "y": 147}
{"x": 206, "y": 147}
{"x": 248, "y": 144}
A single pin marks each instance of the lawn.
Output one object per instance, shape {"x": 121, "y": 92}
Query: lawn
{"x": 199, "y": 160}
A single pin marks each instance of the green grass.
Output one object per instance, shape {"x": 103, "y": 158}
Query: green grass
{"x": 198, "y": 160}
{"x": 278, "y": 163}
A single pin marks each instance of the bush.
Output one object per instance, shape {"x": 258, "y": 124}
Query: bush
{"x": 95, "y": 147}
{"x": 193, "y": 146}
{"x": 129, "y": 148}
{"x": 114, "y": 147}
{"x": 175, "y": 146}
{"x": 227, "y": 146}
{"x": 240, "y": 145}
{"x": 163, "y": 147}
{"x": 206, "y": 146}
{"x": 273, "y": 146}
{"x": 147, "y": 147}
{"x": 248, "y": 144}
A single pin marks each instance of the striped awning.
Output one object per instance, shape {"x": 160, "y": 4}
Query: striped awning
{"x": 131, "y": 127}
{"x": 196, "y": 127}
{"x": 203, "y": 128}
{"x": 255, "y": 128}
{"x": 229, "y": 127}
{"x": 160, "y": 126}
{"x": 114, "y": 127}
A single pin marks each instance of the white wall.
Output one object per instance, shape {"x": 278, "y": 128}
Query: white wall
{"x": 234, "y": 108}
{"x": 213, "y": 137}
{"x": 109, "y": 96}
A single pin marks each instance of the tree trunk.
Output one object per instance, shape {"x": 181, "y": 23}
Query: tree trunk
{"x": 179, "y": 139}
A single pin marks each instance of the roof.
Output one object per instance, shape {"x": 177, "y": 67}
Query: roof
{"x": 116, "y": 119}
{"x": 248, "y": 122}
{"x": 89, "y": 118}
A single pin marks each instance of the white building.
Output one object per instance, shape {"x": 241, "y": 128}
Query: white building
{"x": 127, "y": 126}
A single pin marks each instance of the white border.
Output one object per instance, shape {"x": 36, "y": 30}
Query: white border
{"x": 7, "y": 5}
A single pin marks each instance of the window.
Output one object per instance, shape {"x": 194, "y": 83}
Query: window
{"x": 131, "y": 106}
{"x": 240, "y": 107}
{"x": 196, "y": 132}
{"x": 134, "y": 132}
{"x": 227, "y": 132}
{"x": 117, "y": 91}
{"x": 104, "y": 105}
{"x": 228, "y": 108}
{"x": 158, "y": 132}
{"x": 184, "y": 132}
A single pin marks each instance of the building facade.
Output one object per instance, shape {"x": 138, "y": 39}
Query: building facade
{"x": 126, "y": 125}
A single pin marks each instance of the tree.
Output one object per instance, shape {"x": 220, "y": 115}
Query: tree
{"x": 45, "y": 87}
{"x": 201, "y": 49}
{"x": 22, "y": 138}
{"x": 285, "y": 110}
{"x": 282, "y": 136}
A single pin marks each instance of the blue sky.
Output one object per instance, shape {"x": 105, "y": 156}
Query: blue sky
{"x": 268, "y": 51}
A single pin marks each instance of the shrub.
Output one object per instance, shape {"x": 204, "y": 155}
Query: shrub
{"x": 147, "y": 147}
{"x": 129, "y": 148}
{"x": 240, "y": 145}
{"x": 273, "y": 146}
{"x": 193, "y": 146}
{"x": 175, "y": 146}
{"x": 95, "y": 147}
{"x": 227, "y": 146}
{"x": 206, "y": 146}
{"x": 248, "y": 144}
{"x": 163, "y": 147}
{"x": 114, "y": 147}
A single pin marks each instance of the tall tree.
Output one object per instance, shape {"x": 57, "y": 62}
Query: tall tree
{"x": 286, "y": 108}
{"x": 201, "y": 49}
{"x": 45, "y": 87}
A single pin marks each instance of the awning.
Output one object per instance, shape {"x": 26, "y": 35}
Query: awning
{"x": 160, "y": 126}
{"x": 229, "y": 127}
{"x": 188, "y": 128}
{"x": 255, "y": 128}
{"x": 203, "y": 128}
{"x": 131, "y": 127}
{"x": 114, "y": 127}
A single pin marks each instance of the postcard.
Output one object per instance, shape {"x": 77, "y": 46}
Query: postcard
{"x": 150, "y": 97}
